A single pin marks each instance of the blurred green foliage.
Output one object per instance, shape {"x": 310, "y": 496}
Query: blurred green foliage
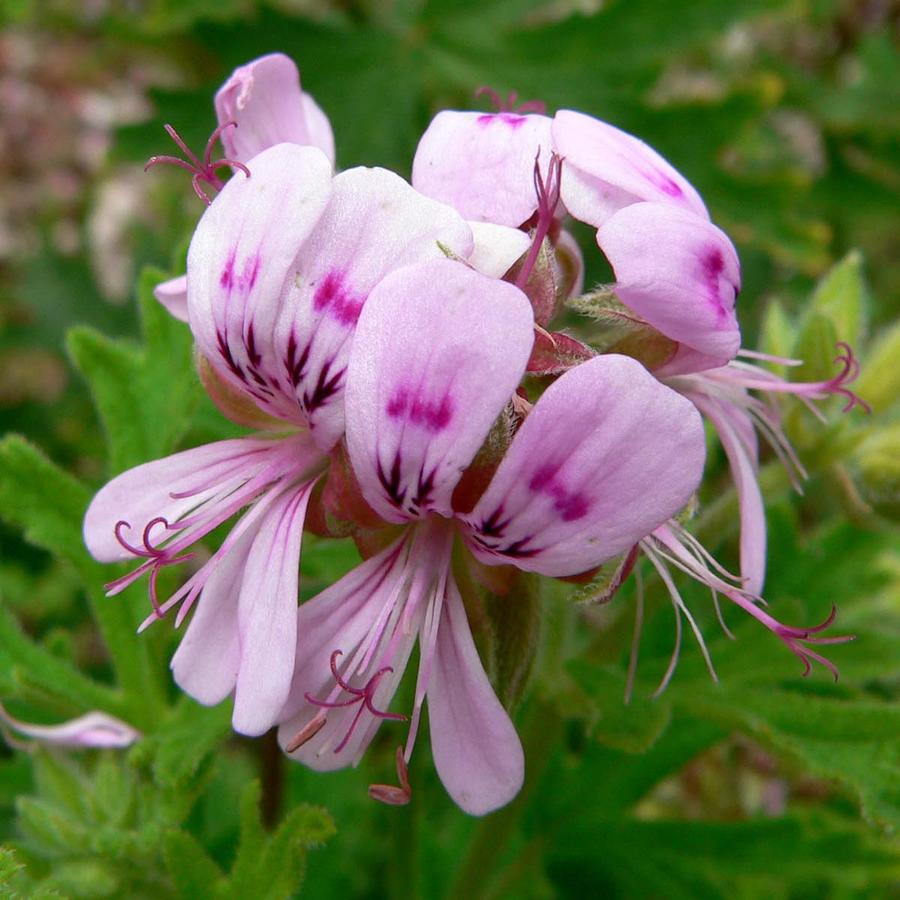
{"x": 786, "y": 115}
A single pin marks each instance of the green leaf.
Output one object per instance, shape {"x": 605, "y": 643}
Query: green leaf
{"x": 816, "y": 345}
{"x": 273, "y": 867}
{"x": 634, "y": 727}
{"x": 48, "y": 505}
{"x": 50, "y": 829}
{"x": 184, "y": 741}
{"x": 711, "y": 859}
{"x": 84, "y": 878}
{"x": 842, "y": 298}
{"x": 879, "y": 380}
{"x": 112, "y": 794}
{"x": 246, "y": 872}
{"x": 32, "y": 665}
{"x": 144, "y": 395}
{"x": 190, "y": 867}
{"x": 45, "y": 502}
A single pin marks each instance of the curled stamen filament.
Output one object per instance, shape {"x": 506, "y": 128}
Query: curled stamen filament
{"x": 363, "y": 696}
{"x": 509, "y": 104}
{"x": 203, "y": 171}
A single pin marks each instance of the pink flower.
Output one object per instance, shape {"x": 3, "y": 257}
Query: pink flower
{"x": 439, "y": 350}
{"x": 93, "y": 729}
{"x": 673, "y": 268}
{"x": 260, "y": 105}
{"x": 264, "y": 99}
{"x": 279, "y": 270}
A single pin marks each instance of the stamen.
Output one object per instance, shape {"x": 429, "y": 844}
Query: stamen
{"x": 307, "y": 732}
{"x": 750, "y": 376}
{"x": 391, "y": 794}
{"x": 363, "y": 696}
{"x": 547, "y": 191}
{"x": 204, "y": 171}
{"x": 509, "y": 104}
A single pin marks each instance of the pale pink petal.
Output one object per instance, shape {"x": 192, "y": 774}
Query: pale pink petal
{"x": 476, "y": 750}
{"x": 678, "y": 272}
{"x": 374, "y": 223}
{"x": 357, "y": 614}
{"x": 482, "y": 164}
{"x": 172, "y": 294}
{"x": 241, "y": 267}
{"x": 94, "y": 729}
{"x": 267, "y": 613}
{"x": 733, "y": 426}
{"x": 318, "y": 127}
{"x": 606, "y": 169}
{"x": 145, "y": 493}
{"x": 207, "y": 660}
{"x": 265, "y": 100}
{"x": 438, "y": 352}
{"x": 606, "y": 455}
{"x": 497, "y": 248}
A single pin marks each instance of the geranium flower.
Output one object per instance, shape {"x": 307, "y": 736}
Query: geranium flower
{"x": 606, "y": 455}
{"x": 260, "y": 105}
{"x": 279, "y": 270}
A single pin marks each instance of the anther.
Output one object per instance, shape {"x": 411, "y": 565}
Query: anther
{"x": 307, "y": 732}
{"x": 390, "y": 793}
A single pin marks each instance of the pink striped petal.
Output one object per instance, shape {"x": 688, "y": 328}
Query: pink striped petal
{"x": 93, "y": 729}
{"x": 145, "y": 493}
{"x": 482, "y": 164}
{"x": 438, "y": 352}
{"x": 172, "y": 294}
{"x": 606, "y": 169}
{"x": 375, "y": 223}
{"x": 362, "y": 608}
{"x": 476, "y": 750}
{"x": 679, "y": 272}
{"x": 265, "y": 100}
{"x": 737, "y": 434}
{"x": 606, "y": 455}
{"x": 208, "y": 659}
{"x": 267, "y": 614}
{"x": 241, "y": 268}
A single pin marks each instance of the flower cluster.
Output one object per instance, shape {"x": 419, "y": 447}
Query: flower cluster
{"x": 391, "y": 345}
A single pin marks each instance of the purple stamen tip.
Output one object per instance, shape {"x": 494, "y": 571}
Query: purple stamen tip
{"x": 204, "y": 171}
{"x": 509, "y": 104}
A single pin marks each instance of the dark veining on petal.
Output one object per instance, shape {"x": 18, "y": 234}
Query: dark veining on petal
{"x": 391, "y": 482}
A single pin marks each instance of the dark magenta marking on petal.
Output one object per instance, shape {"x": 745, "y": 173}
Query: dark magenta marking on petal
{"x": 341, "y": 303}
{"x": 226, "y": 279}
{"x": 510, "y": 119}
{"x": 247, "y": 278}
{"x": 570, "y": 505}
{"x": 712, "y": 263}
{"x": 432, "y": 415}
{"x": 667, "y": 185}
